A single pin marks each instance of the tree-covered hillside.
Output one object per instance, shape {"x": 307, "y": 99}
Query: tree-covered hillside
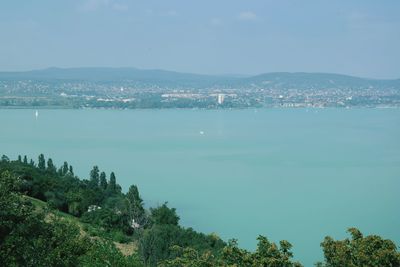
{"x": 50, "y": 217}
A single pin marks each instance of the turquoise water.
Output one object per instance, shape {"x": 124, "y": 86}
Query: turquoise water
{"x": 295, "y": 174}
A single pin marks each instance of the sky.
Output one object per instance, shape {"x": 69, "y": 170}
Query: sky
{"x": 355, "y": 37}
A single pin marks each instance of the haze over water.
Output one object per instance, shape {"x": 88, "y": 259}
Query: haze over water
{"x": 295, "y": 174}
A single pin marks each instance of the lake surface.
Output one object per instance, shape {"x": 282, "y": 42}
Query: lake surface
{"x": 295, "y": 174}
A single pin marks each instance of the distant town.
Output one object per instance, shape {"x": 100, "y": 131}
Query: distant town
{"x": 137, "y": 89}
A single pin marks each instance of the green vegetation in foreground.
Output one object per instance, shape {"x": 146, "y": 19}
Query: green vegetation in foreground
{"x": 50, "y": 217}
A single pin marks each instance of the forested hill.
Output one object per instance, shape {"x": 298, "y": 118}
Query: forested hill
{"x": 303, "y": 80}
{"x": 155, "y": 76}
{"x": 50, "y": 217}
{"x": 165, "y": 78}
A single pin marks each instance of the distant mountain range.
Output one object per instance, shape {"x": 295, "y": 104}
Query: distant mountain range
{"x": 282, "y": 80}
{"x": 317, "y": 80}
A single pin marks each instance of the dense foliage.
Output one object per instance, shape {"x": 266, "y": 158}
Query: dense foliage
{"x": 371, "y": 251}
{"x": 29, "y": 237}
{"x": 100, "y": 202}
{"x": 102, "y": 216}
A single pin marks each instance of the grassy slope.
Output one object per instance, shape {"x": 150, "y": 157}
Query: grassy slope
{"x": 85, "y": 229}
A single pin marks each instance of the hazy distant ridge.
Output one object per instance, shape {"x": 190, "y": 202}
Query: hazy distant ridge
{"x": 170, "y": 78}
{"x": 320, "y": 80}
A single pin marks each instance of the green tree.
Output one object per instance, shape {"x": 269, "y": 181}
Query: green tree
{"x": 12, "y": 208}
{"x": 19, "y": 158}
{"x": 184, "y": 257}
{"x": 164, "y": 215}
{"x": 155, "y": 243}
{"x": 94, "y": 177}
{"x": 269, "y": 254}
{"x": 112, "y": 185}
{"x": 27, "y": 239}
{"x": 103, "y": 180}
{"x": 136, "y": 209}
{"x": 42, "y": 162}
{"x": 64, "y": 170}
{"x": 360, "y": 251}
{"x": 4, "y": 158}
{"x": 107, "y": 218}
{"x": 76, "y": 205}
{"x": 71, "y": 170}
{"x": 232, "y": 255}
{"x": 105, "y": 253}
{"x": 25, "y": 160}
{"x": 50, "y": 166}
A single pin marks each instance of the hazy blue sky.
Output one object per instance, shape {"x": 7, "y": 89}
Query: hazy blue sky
{"x": 358, "y": 37}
